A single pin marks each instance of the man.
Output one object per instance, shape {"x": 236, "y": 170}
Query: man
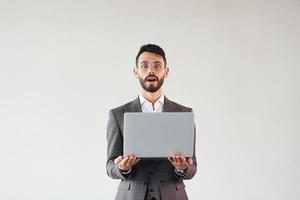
{"x": 147, "y": 179}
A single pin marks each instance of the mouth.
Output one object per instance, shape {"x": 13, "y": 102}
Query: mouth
{"x": 151, "y": 79}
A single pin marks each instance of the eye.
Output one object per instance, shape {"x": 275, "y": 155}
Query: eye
{"x": 144, "y": 66}
{"x": 156, "y": 65}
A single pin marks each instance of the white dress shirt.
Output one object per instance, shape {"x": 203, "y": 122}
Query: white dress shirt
{"x": 147, "y": 106}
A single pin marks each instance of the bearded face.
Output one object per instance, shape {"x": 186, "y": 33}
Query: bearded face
{"x": 151, "y": 83}
{"x": 151, "y": 71}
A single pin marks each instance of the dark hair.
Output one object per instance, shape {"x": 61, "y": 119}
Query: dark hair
{"x": 152, "y": 48}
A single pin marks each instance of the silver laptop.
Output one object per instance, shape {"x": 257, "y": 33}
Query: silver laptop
{"x": 158, "y": 135}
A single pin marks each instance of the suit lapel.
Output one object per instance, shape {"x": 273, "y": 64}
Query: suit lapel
{"x": 169, "y": 106}
{"x": 136, "y": 106}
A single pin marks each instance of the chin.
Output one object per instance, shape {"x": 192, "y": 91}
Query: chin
{"x": 152, "y": 89}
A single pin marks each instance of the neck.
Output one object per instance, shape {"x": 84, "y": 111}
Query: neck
{"x": 152, "y": 96}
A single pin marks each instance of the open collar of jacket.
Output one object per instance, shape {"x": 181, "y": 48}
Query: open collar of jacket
{"x": 169, "y": 106}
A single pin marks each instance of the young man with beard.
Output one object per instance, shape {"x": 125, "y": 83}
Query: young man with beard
{"x": 147, "y": 179}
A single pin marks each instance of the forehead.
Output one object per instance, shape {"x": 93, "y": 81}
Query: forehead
{"x": 150, "y": 57}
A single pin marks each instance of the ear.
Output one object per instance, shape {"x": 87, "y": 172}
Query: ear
{"x": 166, "y": 72}
{"x": 135, "y": 72}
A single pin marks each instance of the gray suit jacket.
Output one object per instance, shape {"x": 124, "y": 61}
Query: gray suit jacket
{"x": 133, "y": 186}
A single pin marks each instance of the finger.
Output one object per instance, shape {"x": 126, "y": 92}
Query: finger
{"x": 122, "y": 164}
{"x": 190, "y": 161}
{"x": 124, "y": 161}
{"x": 171, "y": 159}
{"x": 182, "y": 158}
{"x": 136, "y": 161}
{"x": 131, "y": 161}
{"x": 118, "y": 159}
{"x": 177, "y": 160}
{"x": 178, "y": 154}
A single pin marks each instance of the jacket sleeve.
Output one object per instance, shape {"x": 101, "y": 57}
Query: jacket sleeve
{"x": 114, "y": 147}
{"x": 191, "y": 170}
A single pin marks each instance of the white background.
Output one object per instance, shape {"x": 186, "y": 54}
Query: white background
{"x": 64, "y": 64}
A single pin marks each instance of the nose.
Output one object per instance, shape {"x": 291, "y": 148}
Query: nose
{"x": 151, "y": 69}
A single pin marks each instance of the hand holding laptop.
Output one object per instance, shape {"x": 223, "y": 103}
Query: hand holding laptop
{"x": 180, "y": 162}
{"x": 125, "y": 163}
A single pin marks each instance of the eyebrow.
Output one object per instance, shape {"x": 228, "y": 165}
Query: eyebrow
{"x": 142, "y": 62}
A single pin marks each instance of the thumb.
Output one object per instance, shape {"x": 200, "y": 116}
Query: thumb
{"x": 118, "y": 159}
{"x": 190, "y": 161}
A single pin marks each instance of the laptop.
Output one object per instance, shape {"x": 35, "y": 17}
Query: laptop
{"x": 158, "y": 134}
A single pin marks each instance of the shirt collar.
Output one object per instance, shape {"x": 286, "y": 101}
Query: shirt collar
{"x": 160, "y": 100}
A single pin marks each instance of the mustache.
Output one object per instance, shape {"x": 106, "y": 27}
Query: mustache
{"x": 151, "y": 76}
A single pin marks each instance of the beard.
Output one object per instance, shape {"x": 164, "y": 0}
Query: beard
{"x": 151, "y": 87}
